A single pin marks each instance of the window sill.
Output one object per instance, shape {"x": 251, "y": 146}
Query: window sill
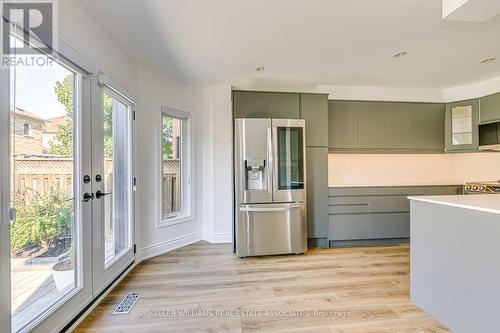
{"x": 169, "y": 221}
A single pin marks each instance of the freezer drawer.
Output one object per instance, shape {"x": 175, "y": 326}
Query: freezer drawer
{"x": 268, "y": 229}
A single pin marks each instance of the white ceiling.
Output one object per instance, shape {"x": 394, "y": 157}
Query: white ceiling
{"x": 303, "y": 42}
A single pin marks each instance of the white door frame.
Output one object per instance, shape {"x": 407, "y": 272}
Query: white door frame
{"x": 103, "y": 276}
{"x": 5, "y": 304}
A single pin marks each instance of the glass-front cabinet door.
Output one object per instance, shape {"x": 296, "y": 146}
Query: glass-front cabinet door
{"x": 289, "y": 151}
{"x": 462, "y": 121}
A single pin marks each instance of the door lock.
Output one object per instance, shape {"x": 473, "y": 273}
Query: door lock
{"x": 87, "y": 179}
{"x": 88, "y": 196}
{"x": 100, "y": 194}
{"x": 98, "y": 178}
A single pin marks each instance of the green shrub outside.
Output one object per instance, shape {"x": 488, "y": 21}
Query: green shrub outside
{"x": 40, "y": 219}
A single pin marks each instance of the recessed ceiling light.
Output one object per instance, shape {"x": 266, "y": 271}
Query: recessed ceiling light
{"x": 260, "y": 68}
{"x": 488, "y": 60}
{"x": 400, "y": 54}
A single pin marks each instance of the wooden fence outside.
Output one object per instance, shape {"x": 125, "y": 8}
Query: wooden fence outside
{"x": 171, "y": 186}
{"x": 41, "y": 175}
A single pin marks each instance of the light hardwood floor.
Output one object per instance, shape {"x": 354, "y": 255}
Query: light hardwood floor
{"x": 357, "y": 289}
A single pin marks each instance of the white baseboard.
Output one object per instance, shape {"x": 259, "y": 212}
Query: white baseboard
{"x": 167, "y": 246}
{"x": 217, "y": 238}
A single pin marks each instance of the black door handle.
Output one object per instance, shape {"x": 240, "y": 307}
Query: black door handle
{"x": 88, "y": 196}
{"x": 100, "y": 194}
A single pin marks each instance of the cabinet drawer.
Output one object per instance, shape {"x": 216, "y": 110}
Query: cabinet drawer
{"x": 349, "y": 227}
{"x": 391, "y": 225}
{"x": 369, "y": 204}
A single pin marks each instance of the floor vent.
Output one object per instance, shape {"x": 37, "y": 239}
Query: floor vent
{"x": 127, "y": 303}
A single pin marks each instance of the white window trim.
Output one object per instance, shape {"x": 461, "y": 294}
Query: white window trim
{"x": 187, "y": 193}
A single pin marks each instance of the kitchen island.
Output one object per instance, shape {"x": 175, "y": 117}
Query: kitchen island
{"x": 455, "y": 260}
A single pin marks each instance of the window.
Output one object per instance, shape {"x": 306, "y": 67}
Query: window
{"x": 27, "y": 129}
{"x": 175, "y": 166}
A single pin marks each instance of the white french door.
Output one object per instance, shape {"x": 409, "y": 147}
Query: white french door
{"x": 113, "y": 182}
{"x": 66, "y": 199}
{"x": 48, "y": 134}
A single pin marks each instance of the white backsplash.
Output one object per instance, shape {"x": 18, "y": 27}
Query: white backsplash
{"x": 411, "y": 169}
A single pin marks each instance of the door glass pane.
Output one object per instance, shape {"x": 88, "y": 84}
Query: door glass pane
{"x": 44, "y": 164}
{"x": 171, "y": 166}
{"x": 290, "y": 158}
{"x": 117, "y": 177}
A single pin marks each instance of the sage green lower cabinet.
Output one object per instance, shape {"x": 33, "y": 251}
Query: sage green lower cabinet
{"x": 374, "y": 214}
{"x": 317, "y": 192}
{"x": 490, "y": 108}
{"x": 284, "y": 105}
{"x": 454, "y": 134}
{"x": 250, "y": 104}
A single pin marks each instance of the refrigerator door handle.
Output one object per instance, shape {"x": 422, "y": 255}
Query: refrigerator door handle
{"x": 270, "y": 160}
{"x": 271, "y": 209}
{"x": 275, "y": 159}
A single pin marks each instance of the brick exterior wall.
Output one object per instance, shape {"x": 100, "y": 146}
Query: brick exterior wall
{"x": 32, "y": 143}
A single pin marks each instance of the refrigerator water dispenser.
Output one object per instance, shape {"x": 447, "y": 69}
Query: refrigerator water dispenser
{"x": 256, "y": 175}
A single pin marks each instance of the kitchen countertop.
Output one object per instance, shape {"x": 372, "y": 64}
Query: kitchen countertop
{"x": 396, "y": 185}
{"x": 489, "y": 203}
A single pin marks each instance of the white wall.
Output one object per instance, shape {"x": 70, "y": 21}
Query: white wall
{"x": 155, "y": 91}
{"x": 217, "y": 159}
{"x": 86, "y": 35}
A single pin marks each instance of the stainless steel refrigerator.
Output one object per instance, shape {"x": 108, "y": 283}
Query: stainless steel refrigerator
{"x": 270, "y": 186}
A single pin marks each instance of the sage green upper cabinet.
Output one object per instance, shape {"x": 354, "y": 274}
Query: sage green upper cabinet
{"x": 371, "y": 125}
{"x": 399, "y": 132}
{"x": 314, "y": 109}
{"x": 462, "y": 126}
{"x": 428, "y": 120}
{"x": 490, "y": 108}
{"x": 283, "y": 105}
{"x": 342, "y": 125}
{"x": 387, "y": 127}
{"x": 256, "y": 104}
{"x": 250, "y": 104}
{"x": 415, "y": 126}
